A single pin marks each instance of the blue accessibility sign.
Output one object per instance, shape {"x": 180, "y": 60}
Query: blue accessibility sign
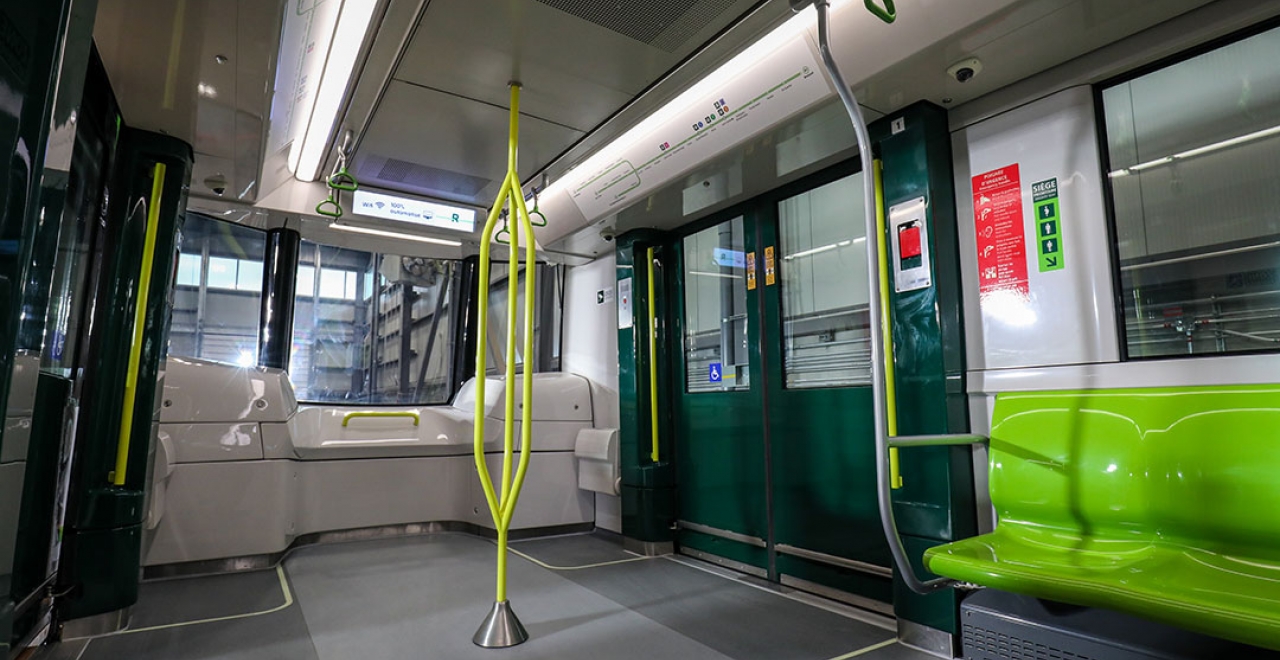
{"x": 716, "y": 375}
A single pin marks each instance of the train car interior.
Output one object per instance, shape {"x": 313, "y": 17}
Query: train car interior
{"x": 635, "y": 329}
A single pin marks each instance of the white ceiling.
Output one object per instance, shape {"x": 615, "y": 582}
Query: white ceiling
{"x": 445, "y": 108}
{"x": 160, "y": 54}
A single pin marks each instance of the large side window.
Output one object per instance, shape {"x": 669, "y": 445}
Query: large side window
{"x": 371, "y": 328}
{"x": 218, "y": 293}
{"x": 1194, "y": 157}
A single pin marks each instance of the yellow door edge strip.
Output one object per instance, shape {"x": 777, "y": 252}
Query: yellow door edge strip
{"x": 653, "y": 362}
{"x": 346, "y": 419}
{"x": 117, "y": 476}
{"x": 886, "y": 326}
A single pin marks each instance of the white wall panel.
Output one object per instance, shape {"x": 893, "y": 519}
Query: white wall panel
{"x": 1068, "y": 315}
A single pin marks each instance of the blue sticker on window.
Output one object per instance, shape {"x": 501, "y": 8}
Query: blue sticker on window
{"x": 715, "y": 375}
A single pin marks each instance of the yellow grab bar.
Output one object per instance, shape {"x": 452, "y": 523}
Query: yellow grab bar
{"x": 502, "y": 503}
{"x": 139, "y": 324}
{"x": 346, "y": 419}
{"x": 653, "y": 364}
{"x": 890, "y": 387}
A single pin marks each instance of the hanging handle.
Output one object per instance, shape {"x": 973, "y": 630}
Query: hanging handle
{"x": 887, "y": 13}
{"x": 343, "y": 180}
{"x": 330, "y": 208}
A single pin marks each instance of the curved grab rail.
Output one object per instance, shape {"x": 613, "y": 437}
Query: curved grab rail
{"x": 884, "y": 477}
{"x": 346, "y": 419}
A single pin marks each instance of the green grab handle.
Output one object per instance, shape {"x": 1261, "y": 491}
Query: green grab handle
{"x": 887, "y": 13}
{"x": 497, "y": 238}
{"x": 342, "y": 180}
{"x": 323, "y": 208}
{"x": 536, "y": 223}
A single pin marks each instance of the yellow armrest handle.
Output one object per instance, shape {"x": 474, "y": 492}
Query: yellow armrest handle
{"x": 346, "y": 419}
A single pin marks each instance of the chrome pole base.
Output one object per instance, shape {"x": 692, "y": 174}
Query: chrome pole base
{"x": 501, "y": 629}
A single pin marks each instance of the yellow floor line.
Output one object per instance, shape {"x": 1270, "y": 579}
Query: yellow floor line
{"x": 284, "y": 589}
{"x": 575, "y": 568}
{"x": 874, "y": 647}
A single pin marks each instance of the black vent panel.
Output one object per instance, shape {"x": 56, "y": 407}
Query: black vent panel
{"x": 984, "y": 644}
{"x": 423, "y": 177}
{"x": 664, "y": 24}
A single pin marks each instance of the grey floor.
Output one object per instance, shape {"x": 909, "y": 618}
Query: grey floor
{"x": 581, "y": 597}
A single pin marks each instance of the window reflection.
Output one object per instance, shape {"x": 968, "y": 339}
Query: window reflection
{"x": 715, "y": 309}
{"x": 1194, "y": 152}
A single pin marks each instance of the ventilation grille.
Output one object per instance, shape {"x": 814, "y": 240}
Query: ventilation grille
{"x": 983, "y": 644}
{"x": 665, "y": 24}
{"x": 432, "y": 179}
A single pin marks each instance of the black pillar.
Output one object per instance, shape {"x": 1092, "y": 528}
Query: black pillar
{"x": 279, "y": 283}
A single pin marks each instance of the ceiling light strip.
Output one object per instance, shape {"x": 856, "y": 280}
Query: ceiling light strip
{"x": 395, "y": 234}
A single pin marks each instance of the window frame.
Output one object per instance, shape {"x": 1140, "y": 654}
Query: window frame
{"x": 1108, "y": 194}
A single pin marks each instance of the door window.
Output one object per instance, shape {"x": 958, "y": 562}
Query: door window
{"x": 826, "y": 340}
{"x": 715, "y": 309}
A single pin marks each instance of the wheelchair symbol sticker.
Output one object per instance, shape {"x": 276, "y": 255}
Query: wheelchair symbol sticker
{"x": 715, "y": 375}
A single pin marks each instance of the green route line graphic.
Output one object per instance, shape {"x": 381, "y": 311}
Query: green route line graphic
{"x": 679, "y": 144}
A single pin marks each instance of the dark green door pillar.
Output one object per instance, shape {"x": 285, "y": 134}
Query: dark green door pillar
{"x": 936, "y": 504}
{"x": 103, "y": 538}
{"x": 648, "y": 486}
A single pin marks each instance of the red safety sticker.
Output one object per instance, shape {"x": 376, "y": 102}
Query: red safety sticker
{"x": 997, "y": 219}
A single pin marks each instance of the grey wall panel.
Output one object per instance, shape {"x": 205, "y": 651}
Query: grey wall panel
{"x": 206, "y": 443}
{"x": 335, "y": 495}
{"x": 216, "y": 510}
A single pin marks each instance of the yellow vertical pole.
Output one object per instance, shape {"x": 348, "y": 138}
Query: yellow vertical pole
{"x": 653, "y": 364}
{"x": 502, "y": 500}
{"x": 886, "y": 326}
{"x": 139, "y": 325}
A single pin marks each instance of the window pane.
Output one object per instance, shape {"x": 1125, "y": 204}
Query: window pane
{"x": 715, "y": 309}
{"x": 188, "y": 270}
{"x": 223, "y": 324}
{"x": 1195, "y": 153}
{"x": 222, "y": 273}
{"x": 332, "y": 283}
{"x": 354, "y": 345}
{"x": 249, "y": 277}
{"x": 306, "y": 281}
{"x": 825, "y": 320}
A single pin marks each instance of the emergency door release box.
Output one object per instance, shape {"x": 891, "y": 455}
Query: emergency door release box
{"x": 910, "y": 246}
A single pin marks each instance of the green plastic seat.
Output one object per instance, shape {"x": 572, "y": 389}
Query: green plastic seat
{"x": 1164, "y": 503}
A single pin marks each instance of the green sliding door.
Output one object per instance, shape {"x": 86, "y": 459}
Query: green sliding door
{"x": 772, "y": 408}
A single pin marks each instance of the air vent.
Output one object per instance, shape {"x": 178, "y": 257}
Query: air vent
{"x": 983, "y": 644}
{"x": 428, "y": 179}
{"x": 665, "y": 24}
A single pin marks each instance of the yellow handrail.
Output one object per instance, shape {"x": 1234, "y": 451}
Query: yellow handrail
{"x": 139, "y": 324}
{"x": 890, "y": 387}
{"x": 346, "y": 419}
{"x": 503, "y": 507}
{"x": 653, "y": 364}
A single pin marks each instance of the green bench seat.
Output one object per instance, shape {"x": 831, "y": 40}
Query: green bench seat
{"x": 1163, "y": 502}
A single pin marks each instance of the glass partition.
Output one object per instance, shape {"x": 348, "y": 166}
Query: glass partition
{"x": 217, "y": 299}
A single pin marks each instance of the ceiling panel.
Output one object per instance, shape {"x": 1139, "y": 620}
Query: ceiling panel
{"x": 575, "y": 72}
{"x": 451, "y": 134}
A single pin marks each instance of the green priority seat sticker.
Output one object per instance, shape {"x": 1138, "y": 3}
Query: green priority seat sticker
{"x": 1048, "y": 210}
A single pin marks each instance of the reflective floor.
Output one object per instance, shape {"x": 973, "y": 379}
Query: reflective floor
{"x": 580, "y": 597}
